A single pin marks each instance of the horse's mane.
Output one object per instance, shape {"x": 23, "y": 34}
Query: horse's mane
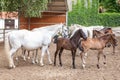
{"x": 106, "y": 29}
{"x": 75, "y": 38}
{"x": 75, "y": 34}
{"x": 45, "y": 27}
{"x": 104, "y": 37}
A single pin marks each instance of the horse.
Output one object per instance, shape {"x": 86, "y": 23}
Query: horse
{"x": 69, "y": 44}
{"x": 63, "y": 33}
{"x": 98, "y": 44}
{"x": 106, "y": 30}
{"x": 87, "y": 30}
{"x": 103, "y": 32}
{"x": 30, "y": 40}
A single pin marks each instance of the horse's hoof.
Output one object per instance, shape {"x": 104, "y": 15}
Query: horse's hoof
{"x": 16, "y": 58}
{"x": 74, "y": 67}
{"x": 41, "y": 65}
{"x": 36, "y": 61}
{"x": 54, "y": 64}
{"x": 14, "y": 66}
{"x": 104, "y": 62}
{"x": 24, "y": 59}
{"x": 98, "y": 66}
{"x": 83, "y": 66}
{"x": 11, "y": 67}
{"x": 33, "y": 62}
{"x": 61, "y": 65}
{"x": 50, "y": 63}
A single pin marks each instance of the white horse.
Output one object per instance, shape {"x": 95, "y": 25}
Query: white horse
{"x": 87, "y": 30}
{"x": 30, "y": 40}
{"x": 64, "y": 33}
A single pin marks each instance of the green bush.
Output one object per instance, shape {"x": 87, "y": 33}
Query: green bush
{"x": 89, "y": 16}
{"x": 109, "y": 19}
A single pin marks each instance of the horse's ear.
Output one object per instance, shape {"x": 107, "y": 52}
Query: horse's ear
{"x": 109, "y": 28}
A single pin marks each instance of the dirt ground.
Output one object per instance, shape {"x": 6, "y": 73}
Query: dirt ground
{"x": 28, "y": 71}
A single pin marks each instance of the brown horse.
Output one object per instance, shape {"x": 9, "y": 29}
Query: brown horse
{"x": 96, "y": 44}
{"x": 103, "y": 32}
{"x": 106, "y": 30}
{"x": 69, "y": 44}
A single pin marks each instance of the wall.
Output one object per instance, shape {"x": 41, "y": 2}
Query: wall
{"x": 48, "y": 18}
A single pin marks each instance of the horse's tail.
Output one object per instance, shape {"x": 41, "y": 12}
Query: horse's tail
{"x": 55, "y": 38}
{"x": 80, "y": 47}
{"x": 7, "y": 47}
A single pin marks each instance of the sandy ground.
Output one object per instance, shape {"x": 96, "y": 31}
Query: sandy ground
{"x": 28, "y": 71}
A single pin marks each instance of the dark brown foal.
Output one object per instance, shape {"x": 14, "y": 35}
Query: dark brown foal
{"x": 69, "y": 44}
{"x": 96, "y": 44}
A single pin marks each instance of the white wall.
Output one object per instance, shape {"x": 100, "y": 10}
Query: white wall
{"x": 2, "y": 23}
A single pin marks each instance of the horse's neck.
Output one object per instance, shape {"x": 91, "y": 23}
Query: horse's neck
{"x": 73, "y": 32}
{"x": 75, "y": 39}
{"x": 54, "y": 32}
{"x": 105, "y": 39}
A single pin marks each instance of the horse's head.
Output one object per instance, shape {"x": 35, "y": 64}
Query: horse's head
{"x": 97, "y": 33}
{"x": 83, "y": 35}
{"x": 63, "y": 31}
{"x": 112, "y": 39}
{"x": 108, "y": 31}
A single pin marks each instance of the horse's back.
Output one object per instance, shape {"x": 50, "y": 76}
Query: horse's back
{"x": 64, "y": 43}
{"x": 91, "y": 43}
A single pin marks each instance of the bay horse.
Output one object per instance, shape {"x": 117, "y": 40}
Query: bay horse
{"x": 103, "y": 32}
{"x": 30, "y": 40}
{"x": 68, "y": 44}
{"x": 98, "y": 44}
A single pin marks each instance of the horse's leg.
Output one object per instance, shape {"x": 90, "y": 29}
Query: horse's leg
{"x": 23, "y": 54}
{"x": 104, "y": 57}
{"x": 50, "y": 61}
{"x": 86, "y": 55}
{"x": 82, "y": 58}
{"x": 56, "y": 52}
{"x": 33, "y": 57}
{"x": 98, "y": 57}
{"x": 73, "y": 58}
{"x": 44, "y": 48}
{"x": 28, "y": 56}
{"x": 11, "y": 62}
{"x": 36, "y": 56}
{"x": 16, "y": 55}
{"x": 60, "y": 53}
{"x": 113, "y": 49}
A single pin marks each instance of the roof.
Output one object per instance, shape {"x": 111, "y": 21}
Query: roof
{"x": 57, "y": 6}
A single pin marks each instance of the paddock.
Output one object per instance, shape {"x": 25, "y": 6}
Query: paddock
{"x": 28, "y": 71}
